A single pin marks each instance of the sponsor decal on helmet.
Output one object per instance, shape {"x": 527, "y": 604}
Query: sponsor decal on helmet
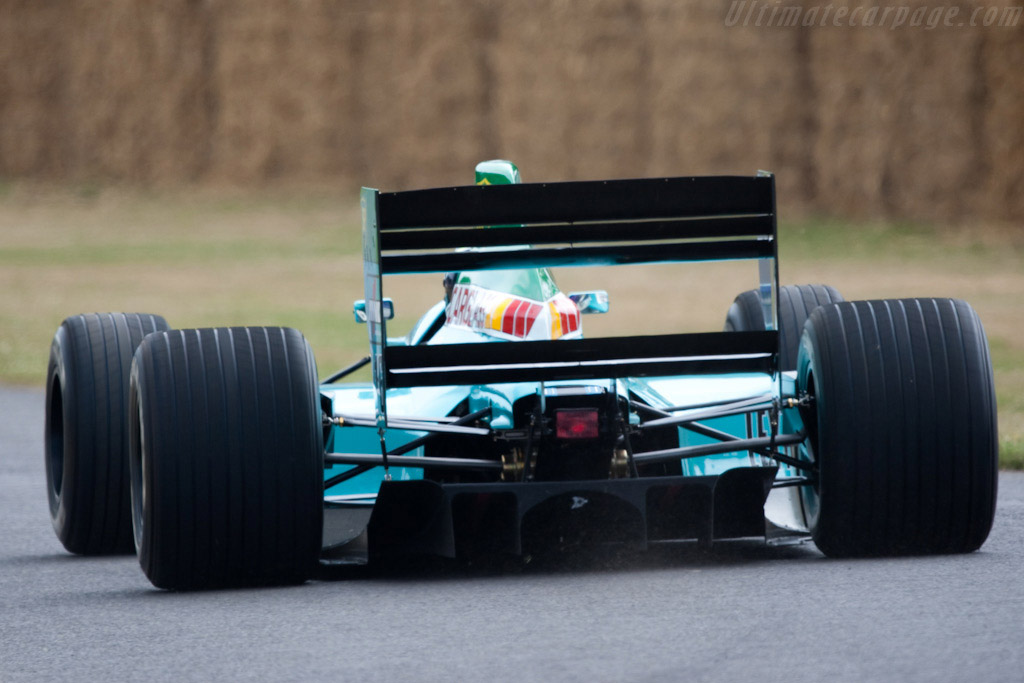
{"x": 508, "y": 316}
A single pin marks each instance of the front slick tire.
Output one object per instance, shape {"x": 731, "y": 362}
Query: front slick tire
{"x": 902, "y": 425}
{"x": 86, "y": 437}
{"x": 796, "y": 302}
{"x": 226, "y": 455}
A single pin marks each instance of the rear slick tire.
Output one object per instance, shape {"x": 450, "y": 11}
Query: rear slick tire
{"x": 226, "y": 455}
{"x": 902, "y": 426}
{"x": 86, "y": 435}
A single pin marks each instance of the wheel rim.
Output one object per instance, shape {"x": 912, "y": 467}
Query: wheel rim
{"x": 137, "y": 470}
{"x": 810, "y": 495}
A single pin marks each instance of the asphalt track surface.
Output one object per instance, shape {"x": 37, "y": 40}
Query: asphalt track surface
{"x": 742, "y": 612}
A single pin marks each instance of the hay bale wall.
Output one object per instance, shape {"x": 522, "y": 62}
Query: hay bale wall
{"x": 912, "y": 123}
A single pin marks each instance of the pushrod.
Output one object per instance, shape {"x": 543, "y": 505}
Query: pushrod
{"x": 346, "y": 371}
{"x": 670, "y": 454}
{"x": 404, "y": 448}
{"x": 412, "y": 461}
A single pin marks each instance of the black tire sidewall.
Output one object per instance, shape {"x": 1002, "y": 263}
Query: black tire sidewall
{"x": 138, "y": 472}
{"x": 745, "y": 313}
{"x": 60, "y": 438}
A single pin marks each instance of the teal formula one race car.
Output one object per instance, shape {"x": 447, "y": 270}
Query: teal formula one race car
{"x": 495, "y": 426}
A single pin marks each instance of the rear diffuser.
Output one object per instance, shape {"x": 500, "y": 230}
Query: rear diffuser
{"x": 464, "y": 520}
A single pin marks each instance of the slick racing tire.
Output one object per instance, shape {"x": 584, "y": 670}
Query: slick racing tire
{"x": 795, "y": 304}
{"x": 226, "y": 458}
{"x": 901, "y": 424}
{"x": 86, "y": 433}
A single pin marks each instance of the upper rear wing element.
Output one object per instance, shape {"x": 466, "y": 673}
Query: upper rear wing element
{"x": 613, "y": 222}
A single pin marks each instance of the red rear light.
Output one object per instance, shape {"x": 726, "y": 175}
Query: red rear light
{"x": 578, "y": 423}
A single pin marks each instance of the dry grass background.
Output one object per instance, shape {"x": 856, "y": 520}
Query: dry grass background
{"x": 867, "y": 122}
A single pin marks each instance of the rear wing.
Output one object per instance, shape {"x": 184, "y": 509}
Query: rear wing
{"x": 612, "y": 222}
